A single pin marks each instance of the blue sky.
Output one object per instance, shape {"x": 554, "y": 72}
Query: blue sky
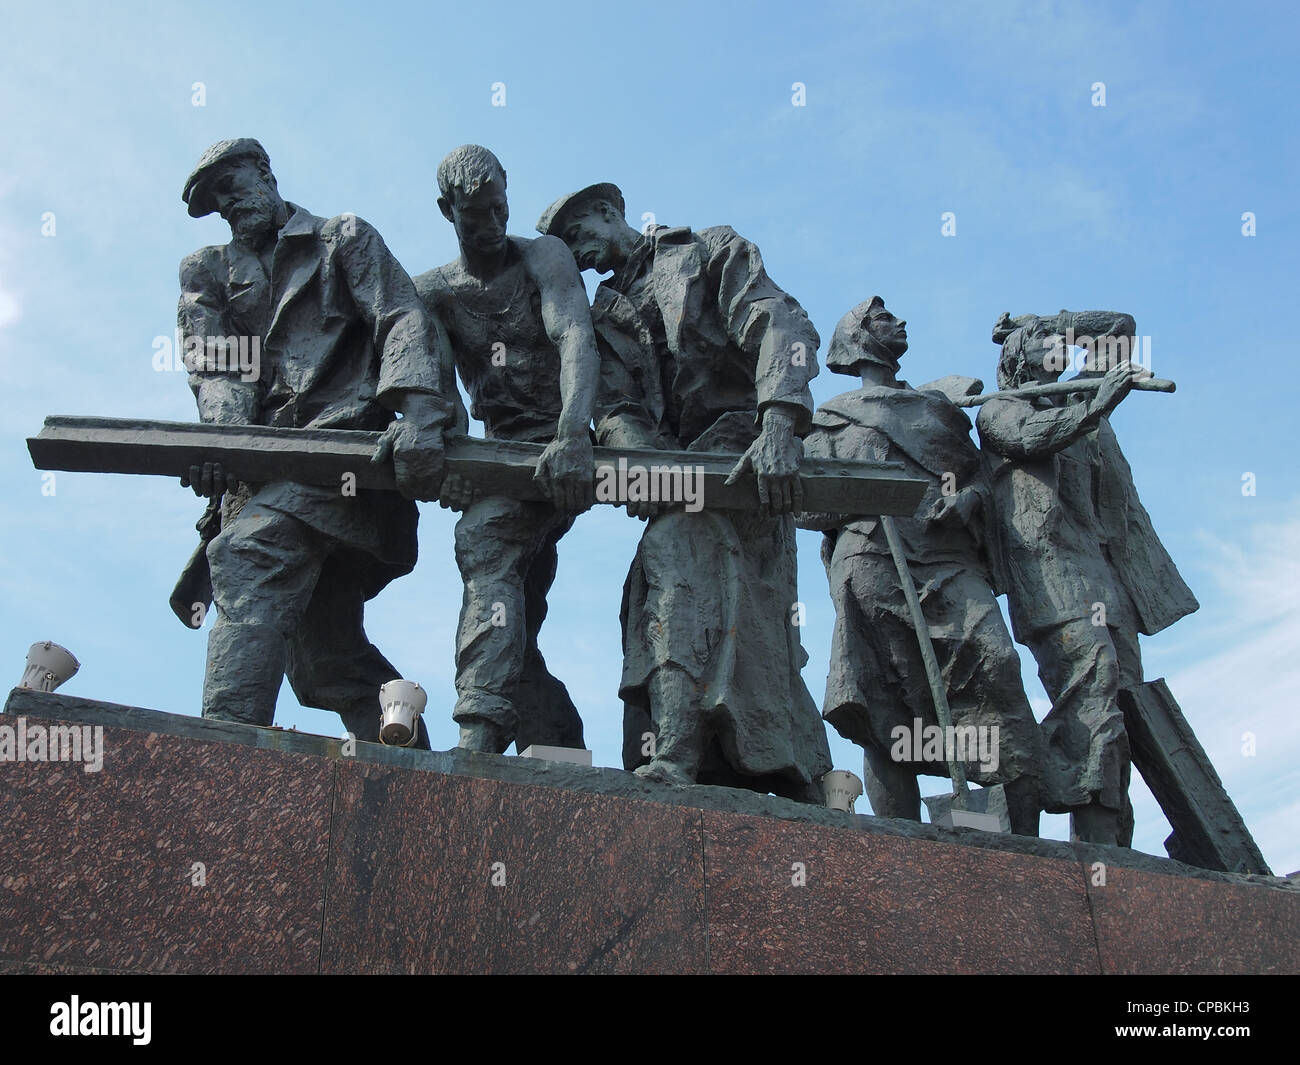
{"x": 911, "y": 110}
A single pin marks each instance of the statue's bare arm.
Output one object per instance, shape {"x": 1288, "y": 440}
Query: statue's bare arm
{"x": 565, "y": 468}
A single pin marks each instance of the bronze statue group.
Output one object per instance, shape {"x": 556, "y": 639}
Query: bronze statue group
{"x": 688, "y": 346}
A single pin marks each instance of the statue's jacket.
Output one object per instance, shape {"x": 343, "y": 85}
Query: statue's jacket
{"x": 340, "y": 328}
{"x": 692, "y": 350}
{"x": 1072, "y": 531}
{"x": 734, "y": 341}
{"x": 931, "y": 436}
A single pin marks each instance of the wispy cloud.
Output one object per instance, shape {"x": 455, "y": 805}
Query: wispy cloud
{"x": 10, "y": 309}
{"x": 1237, "y": 679}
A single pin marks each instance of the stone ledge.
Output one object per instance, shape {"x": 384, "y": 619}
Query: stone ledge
{"x": 596, "y": 780}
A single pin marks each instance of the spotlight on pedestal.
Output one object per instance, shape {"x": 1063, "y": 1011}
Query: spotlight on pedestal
{"x": 401, "y": 703}
{"x": 48, "y": 666}
{"x": 842, "y": 789}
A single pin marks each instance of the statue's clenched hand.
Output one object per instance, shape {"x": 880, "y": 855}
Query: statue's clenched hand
{"x": 208, "y": 480}
{"x": 566, "y": 473}
{"x": 1116, "y": 384}
{"x": 646, "y": 509}
{"x": 957, "y": 509}
{"x": 458, "y": 493}
{"x": 419, "y": 459}
{"x": 774, "y": 459}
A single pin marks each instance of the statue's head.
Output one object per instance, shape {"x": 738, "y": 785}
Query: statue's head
{"x": 867, "y": 334}
{"x": 234, "y": 179}
{"x": 1032, "y": 351}
{"x": 472, "y": 197}
{"x": 590, "y": 221}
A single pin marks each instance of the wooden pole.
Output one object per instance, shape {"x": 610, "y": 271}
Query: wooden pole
{"x": 933, "y": 674}
{"x": 1064, "y": 388}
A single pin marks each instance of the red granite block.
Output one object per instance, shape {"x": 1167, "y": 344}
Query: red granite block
{"x": 30, "y": 968}
{"x": 97, "y": 870}
{"x": 1153, "y": 923}
{"x": 884, "y": 904}
{"x": 591, "y": 883}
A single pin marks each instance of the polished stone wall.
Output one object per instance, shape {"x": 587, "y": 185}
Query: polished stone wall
{"x": 209, "y": 847}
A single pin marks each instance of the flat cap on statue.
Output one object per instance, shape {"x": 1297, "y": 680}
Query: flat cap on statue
{"x": 196, "y": 194}
{"x": 553, "y": 219}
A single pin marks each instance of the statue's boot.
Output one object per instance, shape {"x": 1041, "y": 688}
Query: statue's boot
{"x": 1095, "y": 823}
{"x": 1023, "y": 805}
{"x": 480, "y": 734}
{"x": 244, "y": 672}
{"x": 892, "y": 787}
{"x": 813, "y": 793}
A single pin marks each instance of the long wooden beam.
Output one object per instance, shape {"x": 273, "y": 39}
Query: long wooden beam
{"x": 260, "y": 454}
{"x": 1207, "y": 829}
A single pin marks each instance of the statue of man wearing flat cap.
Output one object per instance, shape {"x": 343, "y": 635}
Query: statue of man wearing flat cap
{"x": 700, "y": 350}
{"x": 877, "y": 682}
{"x": 344, "y": 343}
{"x": 520, "y": 328}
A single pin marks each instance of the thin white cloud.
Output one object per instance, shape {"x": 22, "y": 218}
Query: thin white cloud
{"x": 1238, "y": 688}
{"x": 10, "y": 308}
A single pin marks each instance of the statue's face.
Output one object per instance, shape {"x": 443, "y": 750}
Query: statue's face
{"x": 480, "y": 218}
{"x": 891, "y": 332}
{"x": 246, "y": 197}
{"x": 592, "y": 236}
{"x": 1047, "y": 357}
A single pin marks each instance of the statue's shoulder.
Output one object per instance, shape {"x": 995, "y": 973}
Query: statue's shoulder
{"x": 203, "y": 267}
{"x": 434, "y": 286}
{"x": 726, "y": 239}
{"x": 845, "y": 409}
{"x": 349, "y": 237}
{"x": 719, "y": 235}
{"x": 954, "y": 387}
{"x": 341, "y": 229}
{"x": 722, "y": 244}
{"x": 1002, "y": 418}
{"x": 719, "y": 239}
{"x": 546, "y": 258}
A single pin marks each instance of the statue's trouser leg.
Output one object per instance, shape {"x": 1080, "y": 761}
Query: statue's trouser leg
{"x": 497, "y": 540}
{"x": 1124, "y": 827}
{"x": 638, "y": 734}
{"x": 1086, "y": 746}
{"x": 1023, "y": 805}
{"x": 994, "y": 690}
{"x": 264, "y": 568}
{"x": 638, "y": 726}
{"x": 331, "y": 663}
{"x": 679, "y": 725}
{"x": 546, "y": 711}
{"x": 1125, "y": 639}
{"x": 892, "y": 787}
{"x": 863, "y": 588}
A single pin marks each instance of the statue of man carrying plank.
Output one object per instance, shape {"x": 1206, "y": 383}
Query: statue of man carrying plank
{"x": 521, "y": 334}
{"x": 344, "y": 343}
{"x": 700, "y": 350}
